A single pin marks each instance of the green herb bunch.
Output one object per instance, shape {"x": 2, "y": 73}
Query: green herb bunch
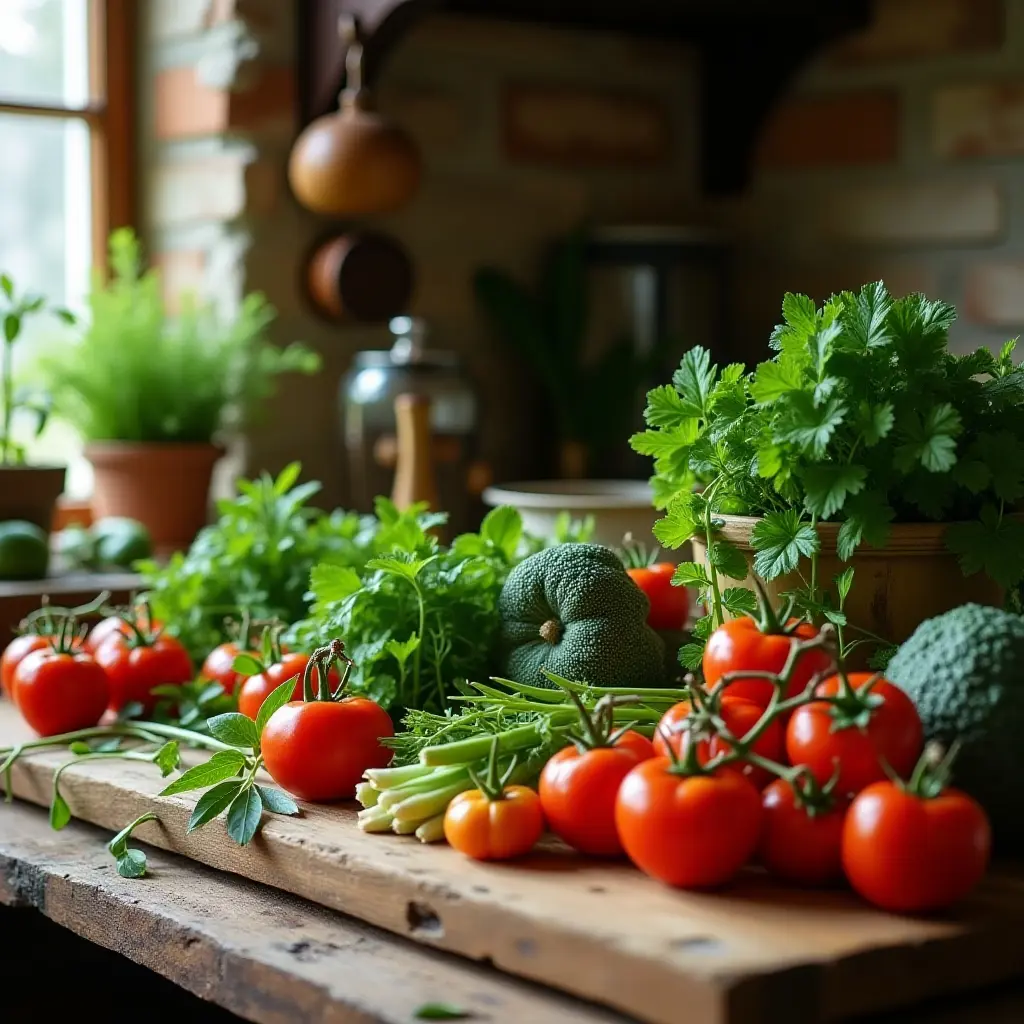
{"x": 255, "y": 559}
{"x": 139, "y": 374}
{"x": 861, "y": 416}
{"x": 419, "y": 618}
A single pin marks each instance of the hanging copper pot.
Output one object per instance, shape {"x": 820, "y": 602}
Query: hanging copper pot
{"x": 353, "y": 162}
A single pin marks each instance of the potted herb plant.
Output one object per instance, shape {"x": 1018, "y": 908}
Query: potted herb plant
{"x": 27, "y": 493}
{"x": 153, "y": 395}
{"x": 862, "y": 444}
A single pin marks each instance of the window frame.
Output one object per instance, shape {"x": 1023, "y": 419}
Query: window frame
{"x": 109, "y": 116}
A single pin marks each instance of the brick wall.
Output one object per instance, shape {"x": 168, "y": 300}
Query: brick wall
{"x": 899, "y": 154}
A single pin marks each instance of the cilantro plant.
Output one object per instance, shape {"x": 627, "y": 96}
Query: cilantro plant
{"x": 862, "y": 416}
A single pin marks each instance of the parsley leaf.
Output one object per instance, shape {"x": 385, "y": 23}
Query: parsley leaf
{"x": 728, "y": 559}
{"x": 739, "y": 601}
{"x": 681, "y": 521}
{"x": 874, "y": 421}
{"x": 694, "y": 380}
{"x": 994, "y": 545}
{"x": 666, "y": 408}
{"x": 868, "y": 311}
{"x": 931, "y": 440}
{"x": 1003, "y": 454}
{"x": 827, "y": 486}
{"x": 780, "y": 539}
{"x": 868, "y": 515}
{"x": 810, "y": 426}
{"x": 773, "y": 380}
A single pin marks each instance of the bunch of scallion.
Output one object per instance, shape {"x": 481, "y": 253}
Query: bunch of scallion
{"x": 438, "y": 755}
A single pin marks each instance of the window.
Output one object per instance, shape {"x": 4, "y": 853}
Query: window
{"x": 65, "y": 157}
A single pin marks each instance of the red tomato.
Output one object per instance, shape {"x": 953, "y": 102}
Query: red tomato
{"x": 219, "y": 666}
{"x": 578, "y": 789}
{"x": 739, "y": 644}
{"x": 134, "y": 668}
{"x": 111, "y": 626}
{"x": 740, "y": 716}
{"x": 909, "y": 854}
{"x": 486, "y": 829}
{"x": 894, "y": 732}
{"x": 17, "y": 649}
{"x": 796, "y": 845}
{"x": 58, "y": 692}
{"x": 692, "y": 832}
{"x": 256, "y": 689}
{"x": 318, "y": 750}
{"x": 670, "y": 606}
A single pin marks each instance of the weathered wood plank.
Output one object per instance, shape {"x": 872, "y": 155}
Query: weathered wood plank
{"x": 265, "y": 956}
{"x": 745, "y": 956}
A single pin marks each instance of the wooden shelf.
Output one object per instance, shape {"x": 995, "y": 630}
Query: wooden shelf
{"x": 749, "y": 51}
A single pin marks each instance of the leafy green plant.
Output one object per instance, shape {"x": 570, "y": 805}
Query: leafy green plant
{"x": 255, "y": 558}
{"x": 862, "y": 416}
{"x": 139, "y": 374}
{"x": 592, "y": 400}
{"x": 14, "y": 311}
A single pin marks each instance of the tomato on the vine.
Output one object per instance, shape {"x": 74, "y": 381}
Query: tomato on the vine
{"x": 113, "y": 625}
{"x": 578, "y": 787}
{"x": 318, "y": 748}
{"x": 59, "y": 688}
{"x": 670, "y": 605}
{"x": 257, "y": 688}
{"x": 761, "y": 644}
{"x": 740, "y": 716}
{"x": 15, "y": 651}
{"x": 689, "y": 831}
{"x": 801, "y": 842}
{"x": 140, "y": 662}
{"x": 871, "y": 719}
{"x": 911, "y": 851}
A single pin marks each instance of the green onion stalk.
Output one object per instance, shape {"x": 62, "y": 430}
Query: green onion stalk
{"x": 443, "y": 753}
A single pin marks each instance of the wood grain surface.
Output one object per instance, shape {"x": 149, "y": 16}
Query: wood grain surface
{"x": 265, "y": 956}
{"x": 755, "y": 953}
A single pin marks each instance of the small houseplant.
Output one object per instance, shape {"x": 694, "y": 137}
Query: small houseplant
{"x": 863, "y": 440}
{"x": 27, "y": 493}
{"x": 154, "y": 395}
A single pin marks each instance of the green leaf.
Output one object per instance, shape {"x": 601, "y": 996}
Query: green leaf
{"x": 972, "y": 474}
{"x": 223, "y": 765}
{"x": 503, "y": 527}
{"x": 827, "y": 485}
{"x": 772, "y": 380}
{"x": 865, "y": 317}
{"x": 780, "y": 539}
{"x": 287, "y": 478}
{"x": 694, "y": 380}
{"x": 7, "y": 285}
{"x": 690, "y": 574}
{"x": 275, "y": 700}
{"x": 60, "y": 813}
{"x": 874, "y": 421}
{"x": 66, "y": 316}
{"x": 132, "y": 864}
{"x": 811, "y": 426}
{"x": 728, "y": 559}
{"x": 920, "y": 330}
{"x": 993, "y": 545}
{"x": 12, "y": 326}
{"x": 212, "y": 802}
{"x": 1003, "y": 456}
{"x": 665, "y": 442}
{"x": 680, "y": 522}
{"x": 244, "y": 815}
{"x": 739, "y": 601}
{"x": 402, "y": 650}
{"x": 703, "y": 627}
{"x": 844, "y": 581}
{"x": 277, "y": 801}
{"x": 441, "y": 1011}
{"x": 331, "y": 583}
{"x": 867, "y": 520}
{"x": 408, "y": 568}
{"x": 930, "y": 441}
{"x": 691, "y": 656}
{"x": 167, "y": 758}
{"x": 246, "y": 665}
{"x": 666, "y": 408}
{"x": 799, "y": 313}
{"x": 233, "y": 728}
{"x": 78, "y": 747}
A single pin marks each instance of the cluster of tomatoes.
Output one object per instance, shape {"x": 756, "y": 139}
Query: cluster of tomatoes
{"x": 815, "y": 781}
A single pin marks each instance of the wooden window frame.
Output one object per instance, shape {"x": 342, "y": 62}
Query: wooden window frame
{"x": 109, "y": 115}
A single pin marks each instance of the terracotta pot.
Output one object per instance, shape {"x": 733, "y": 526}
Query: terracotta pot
{"x": 166, "y": 487}
{"x": 895, "y": 588}
{"x": 30, "y": 493}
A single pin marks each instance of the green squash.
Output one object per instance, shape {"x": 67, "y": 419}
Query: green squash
{"x": 572, "y": 609}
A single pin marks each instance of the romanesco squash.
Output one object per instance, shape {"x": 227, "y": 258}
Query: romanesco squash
{"x": 573, "y": 610}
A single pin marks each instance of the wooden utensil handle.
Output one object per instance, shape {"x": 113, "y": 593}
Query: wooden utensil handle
{"x": 414, "y": 471}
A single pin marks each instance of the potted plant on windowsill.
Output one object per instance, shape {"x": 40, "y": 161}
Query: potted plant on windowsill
{"x": 862, "y": 444}
{"x": 154, "y": 395}
{"x": 27, "y": 493}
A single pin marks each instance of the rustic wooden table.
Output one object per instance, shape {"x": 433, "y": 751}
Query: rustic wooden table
{"x": 269, "y": 957}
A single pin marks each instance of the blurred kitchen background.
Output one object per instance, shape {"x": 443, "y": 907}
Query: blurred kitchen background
{"x": 671, "y": 167}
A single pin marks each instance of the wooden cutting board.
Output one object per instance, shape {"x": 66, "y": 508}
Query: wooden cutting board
{"x": 754, "y": 954}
